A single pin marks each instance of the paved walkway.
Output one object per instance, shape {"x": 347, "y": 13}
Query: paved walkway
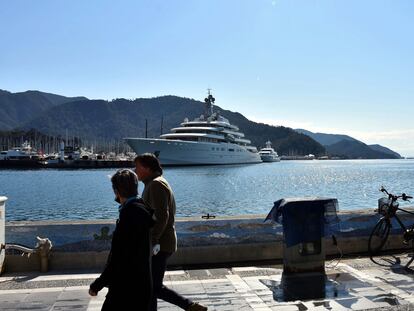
{"x": 357, "y": 284}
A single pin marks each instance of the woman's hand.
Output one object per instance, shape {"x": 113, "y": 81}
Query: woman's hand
{"x": 156, "y": 249}
{"x": 92, "y": 292}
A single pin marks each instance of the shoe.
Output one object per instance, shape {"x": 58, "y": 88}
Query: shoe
{"x": 196, "y": 307}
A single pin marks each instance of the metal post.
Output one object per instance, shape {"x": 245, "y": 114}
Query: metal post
{"x": 2, "y": 232}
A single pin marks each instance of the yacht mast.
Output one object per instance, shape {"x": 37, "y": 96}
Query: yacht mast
{"x": 209, "y": 100}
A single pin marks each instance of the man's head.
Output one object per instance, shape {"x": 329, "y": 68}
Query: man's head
{"x": 146, "y": 165}
{"x": 125, "y": 184}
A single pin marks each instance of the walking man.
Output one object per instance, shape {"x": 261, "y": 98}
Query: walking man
{"x": 127, "y": 273}
{"x": 159, "y": 196}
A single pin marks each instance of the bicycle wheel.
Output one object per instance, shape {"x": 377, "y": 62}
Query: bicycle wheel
{"x": 379, "y": 236}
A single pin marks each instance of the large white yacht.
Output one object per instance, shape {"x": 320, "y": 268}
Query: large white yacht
{"x": 209, "y": 139}
{"x": 268, "y": 154}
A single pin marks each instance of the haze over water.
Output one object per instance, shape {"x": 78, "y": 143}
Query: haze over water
{"x": 218, "y": 190}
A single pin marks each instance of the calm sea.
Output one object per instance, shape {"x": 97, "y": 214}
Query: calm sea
{"x": 218, "y": 190}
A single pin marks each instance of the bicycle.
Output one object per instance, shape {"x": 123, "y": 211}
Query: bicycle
{"x": 388, "y": 207}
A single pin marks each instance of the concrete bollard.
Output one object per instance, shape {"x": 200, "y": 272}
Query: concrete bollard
{"x": 2, "y": 232}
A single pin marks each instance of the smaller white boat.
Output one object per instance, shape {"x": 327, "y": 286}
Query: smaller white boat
{"x": 268, "y": 154}
{"x": 25, "y": 152}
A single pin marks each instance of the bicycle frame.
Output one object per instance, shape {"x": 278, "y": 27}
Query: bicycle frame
{"x": 399, "y": 220}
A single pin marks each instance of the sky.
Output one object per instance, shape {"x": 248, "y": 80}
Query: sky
{"x": 343, "y": 67}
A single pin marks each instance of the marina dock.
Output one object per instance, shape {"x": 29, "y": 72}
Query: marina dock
{"x": 68, "y": 164}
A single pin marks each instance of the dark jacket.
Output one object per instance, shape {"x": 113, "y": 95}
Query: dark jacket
{"x": 127, "y": 273}
{"x": 159, "y": 196}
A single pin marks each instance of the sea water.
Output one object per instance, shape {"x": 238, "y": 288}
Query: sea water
{"x": 217, "y": 190}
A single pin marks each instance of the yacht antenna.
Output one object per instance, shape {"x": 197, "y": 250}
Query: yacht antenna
{"x": 209, "y": 100}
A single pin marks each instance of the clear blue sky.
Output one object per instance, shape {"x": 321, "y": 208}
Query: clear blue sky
{"x": 331, "y": 66}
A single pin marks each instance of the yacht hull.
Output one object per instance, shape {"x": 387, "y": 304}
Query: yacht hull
{"x": 178, "y": 152}
{"x": 266, "y": 158}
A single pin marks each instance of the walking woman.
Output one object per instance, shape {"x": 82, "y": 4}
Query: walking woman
{"x": 127, "y": 273}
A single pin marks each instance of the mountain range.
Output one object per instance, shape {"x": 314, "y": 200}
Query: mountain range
{"x": 119, "y": 118}
{"x": 100, "y": 119}
{"x": 18, "y": 108}
{"x": 345, "y": 146}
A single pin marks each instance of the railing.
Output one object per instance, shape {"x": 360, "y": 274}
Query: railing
{"x": 24, "y": 249}
{"x": 42, "y": 248}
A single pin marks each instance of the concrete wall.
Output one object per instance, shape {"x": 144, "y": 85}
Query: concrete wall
{"x": 85, "y": 244}
{"x": 2, "y": 230}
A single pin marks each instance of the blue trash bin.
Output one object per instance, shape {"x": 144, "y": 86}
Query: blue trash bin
{"x": 306, "y": 221}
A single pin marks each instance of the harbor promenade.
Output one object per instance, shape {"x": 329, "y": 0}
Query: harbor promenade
{"x": 351, "y": 284}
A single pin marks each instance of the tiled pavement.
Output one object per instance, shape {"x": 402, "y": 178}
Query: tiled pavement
{"x": 353, "y": 284}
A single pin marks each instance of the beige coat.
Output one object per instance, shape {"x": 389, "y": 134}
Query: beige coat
{"x": 159, "y": 196}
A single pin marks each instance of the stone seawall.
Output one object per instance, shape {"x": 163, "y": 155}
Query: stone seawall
{"x": 85, "y": 244}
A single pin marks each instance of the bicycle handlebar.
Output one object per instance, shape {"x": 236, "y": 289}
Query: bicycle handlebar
{"x": 394, "y": 197}
{"x": 406, "y": 197}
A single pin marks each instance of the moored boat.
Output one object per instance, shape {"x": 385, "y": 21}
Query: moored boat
{"x": 268, "y": 154}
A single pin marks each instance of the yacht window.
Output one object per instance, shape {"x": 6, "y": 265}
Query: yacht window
{"x": 222, "y": 149}
{"x": 231, "y": 149}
